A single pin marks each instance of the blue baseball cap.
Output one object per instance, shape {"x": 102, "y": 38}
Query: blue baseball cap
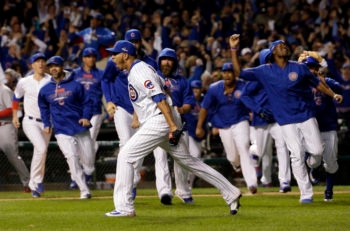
{"x": 89, "y": 51}
{"x": 98, "y": 16}
{"x": 133, "y": 34}
{"x": 310, "y": 61}
{"x": 274, "y": 44}
{"x": 123, "y": 46}
{"x": 58, "y": 60}
{"x": 264, "y": 56}
{"x": 37, "y": 56}
{"x": 196, "y": 84}
{"x": 227, "y": 67}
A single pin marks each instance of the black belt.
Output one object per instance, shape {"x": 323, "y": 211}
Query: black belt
{"x": 36, "y": 119}
{"x": 4, "y": 123}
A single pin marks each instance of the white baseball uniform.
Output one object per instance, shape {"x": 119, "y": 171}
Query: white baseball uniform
{"x": 263, "y": 139}
{"x": 9, "y": 136}
{"x": 143, "y": 84}
{"x": 33, "y": 126}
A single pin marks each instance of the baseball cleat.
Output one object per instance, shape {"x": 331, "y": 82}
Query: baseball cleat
{"x": 133, "y": 195}
{"x": 285, "y": 187}
{"x": 253, "y": 189}
{"x": 187, "y": 200}
{"x": 86, "y": 196}
{"x": 40, "y": 188}
{"x": 306, "y": 201}
{"x": 116, "y": 213}
{"x": 314, "y": 175}
{"x": 328, "y": 195}
{"x": 26, "y": 189}
{"x": 73, "y": 185}
{"x": 166, "y": 199}
{"x": 234, "y": 206}
{"x": 35, "y": 194}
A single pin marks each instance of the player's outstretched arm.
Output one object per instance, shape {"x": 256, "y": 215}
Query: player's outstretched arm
{"x": 324, "y": 88}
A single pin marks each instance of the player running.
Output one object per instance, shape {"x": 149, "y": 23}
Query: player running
{"x": 28, "y": 88}
{"x": 287, "y": 84}
{"x": 158, "y": 127}
{"x": 66, "y": 108}
{"x": 327, "y": 117}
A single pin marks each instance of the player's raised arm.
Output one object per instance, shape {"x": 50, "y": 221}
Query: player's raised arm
{"x": 234, "y": 46}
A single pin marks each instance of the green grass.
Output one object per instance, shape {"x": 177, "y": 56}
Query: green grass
{"x": 63, "y": 210}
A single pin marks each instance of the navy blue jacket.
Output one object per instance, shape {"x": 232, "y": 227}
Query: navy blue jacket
{"x": 63, "y": 104}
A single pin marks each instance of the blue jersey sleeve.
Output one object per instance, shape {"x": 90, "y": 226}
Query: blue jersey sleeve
{"x": 249, "y": 74}
{"x": 158, "y": 98}
{"x": 44, "y": 107}
{"x": 247, "y": 96}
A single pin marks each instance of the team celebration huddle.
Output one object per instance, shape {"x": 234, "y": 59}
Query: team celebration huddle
{"x": 271, "y": 103}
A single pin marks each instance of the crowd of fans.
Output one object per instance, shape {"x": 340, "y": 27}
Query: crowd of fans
{"x": 197, "y": 30}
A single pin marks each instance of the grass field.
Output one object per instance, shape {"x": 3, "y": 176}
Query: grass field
{"x": 267, "y": 210}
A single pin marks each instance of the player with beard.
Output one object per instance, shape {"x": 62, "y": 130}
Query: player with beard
{"x": 288, "y": 86}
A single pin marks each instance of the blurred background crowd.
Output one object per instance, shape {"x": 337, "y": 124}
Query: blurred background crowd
{"x": 197, "y": 29}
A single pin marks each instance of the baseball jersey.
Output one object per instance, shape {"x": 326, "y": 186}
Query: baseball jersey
{"x": 92, "y": 84}
{"x": 255, "y": 98}
{"x": 227, "y": 109}
{"x": 64, "y": 104}
{"x": 288, "y": 90}
{"x": 141, "y": 90}
{"x": 181, "y": 92}
{"x": 326, "y": 113}
{"x": 191, "y": 119}
{"x": 115, "y": 86}
{"x": 115, "y": 83}
{"x": 29, "y": 88}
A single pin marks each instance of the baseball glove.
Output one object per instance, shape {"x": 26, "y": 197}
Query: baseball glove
{"x": 267, "y": 115}
{"x": 174, "y": 137}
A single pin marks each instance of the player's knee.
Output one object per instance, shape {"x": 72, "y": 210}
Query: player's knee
{"x": 331, "y": 167}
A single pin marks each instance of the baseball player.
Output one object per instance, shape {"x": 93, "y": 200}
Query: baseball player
{"x": 183, "y": 101}
{"x": 231, "y": 117}
{"x": 158, "y": 128}
{"x": 33, "y": 127}
{"x": 90, "y": 77}
{"x": 266, "y": 129}
{"x": 287, "y": 84}
{"x": 115, "y": 90}
{"x": 67, "y": 108}
{"x": 191, "y": 118}
{"x": 9, "y": 136}
{"x": 326, "y": 116}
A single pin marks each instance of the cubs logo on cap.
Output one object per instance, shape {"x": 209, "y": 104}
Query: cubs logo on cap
{"x": 58, "y": 60}
{"x": 133, "y": 34}
{"x": 227, "y": 67}
{"x": 89, "y": 51}
{"x": 123, "y": 46}
{"x": 274, "y": 44}
{"x": 37, "y": 56}
{"x": 311, "y": 62}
